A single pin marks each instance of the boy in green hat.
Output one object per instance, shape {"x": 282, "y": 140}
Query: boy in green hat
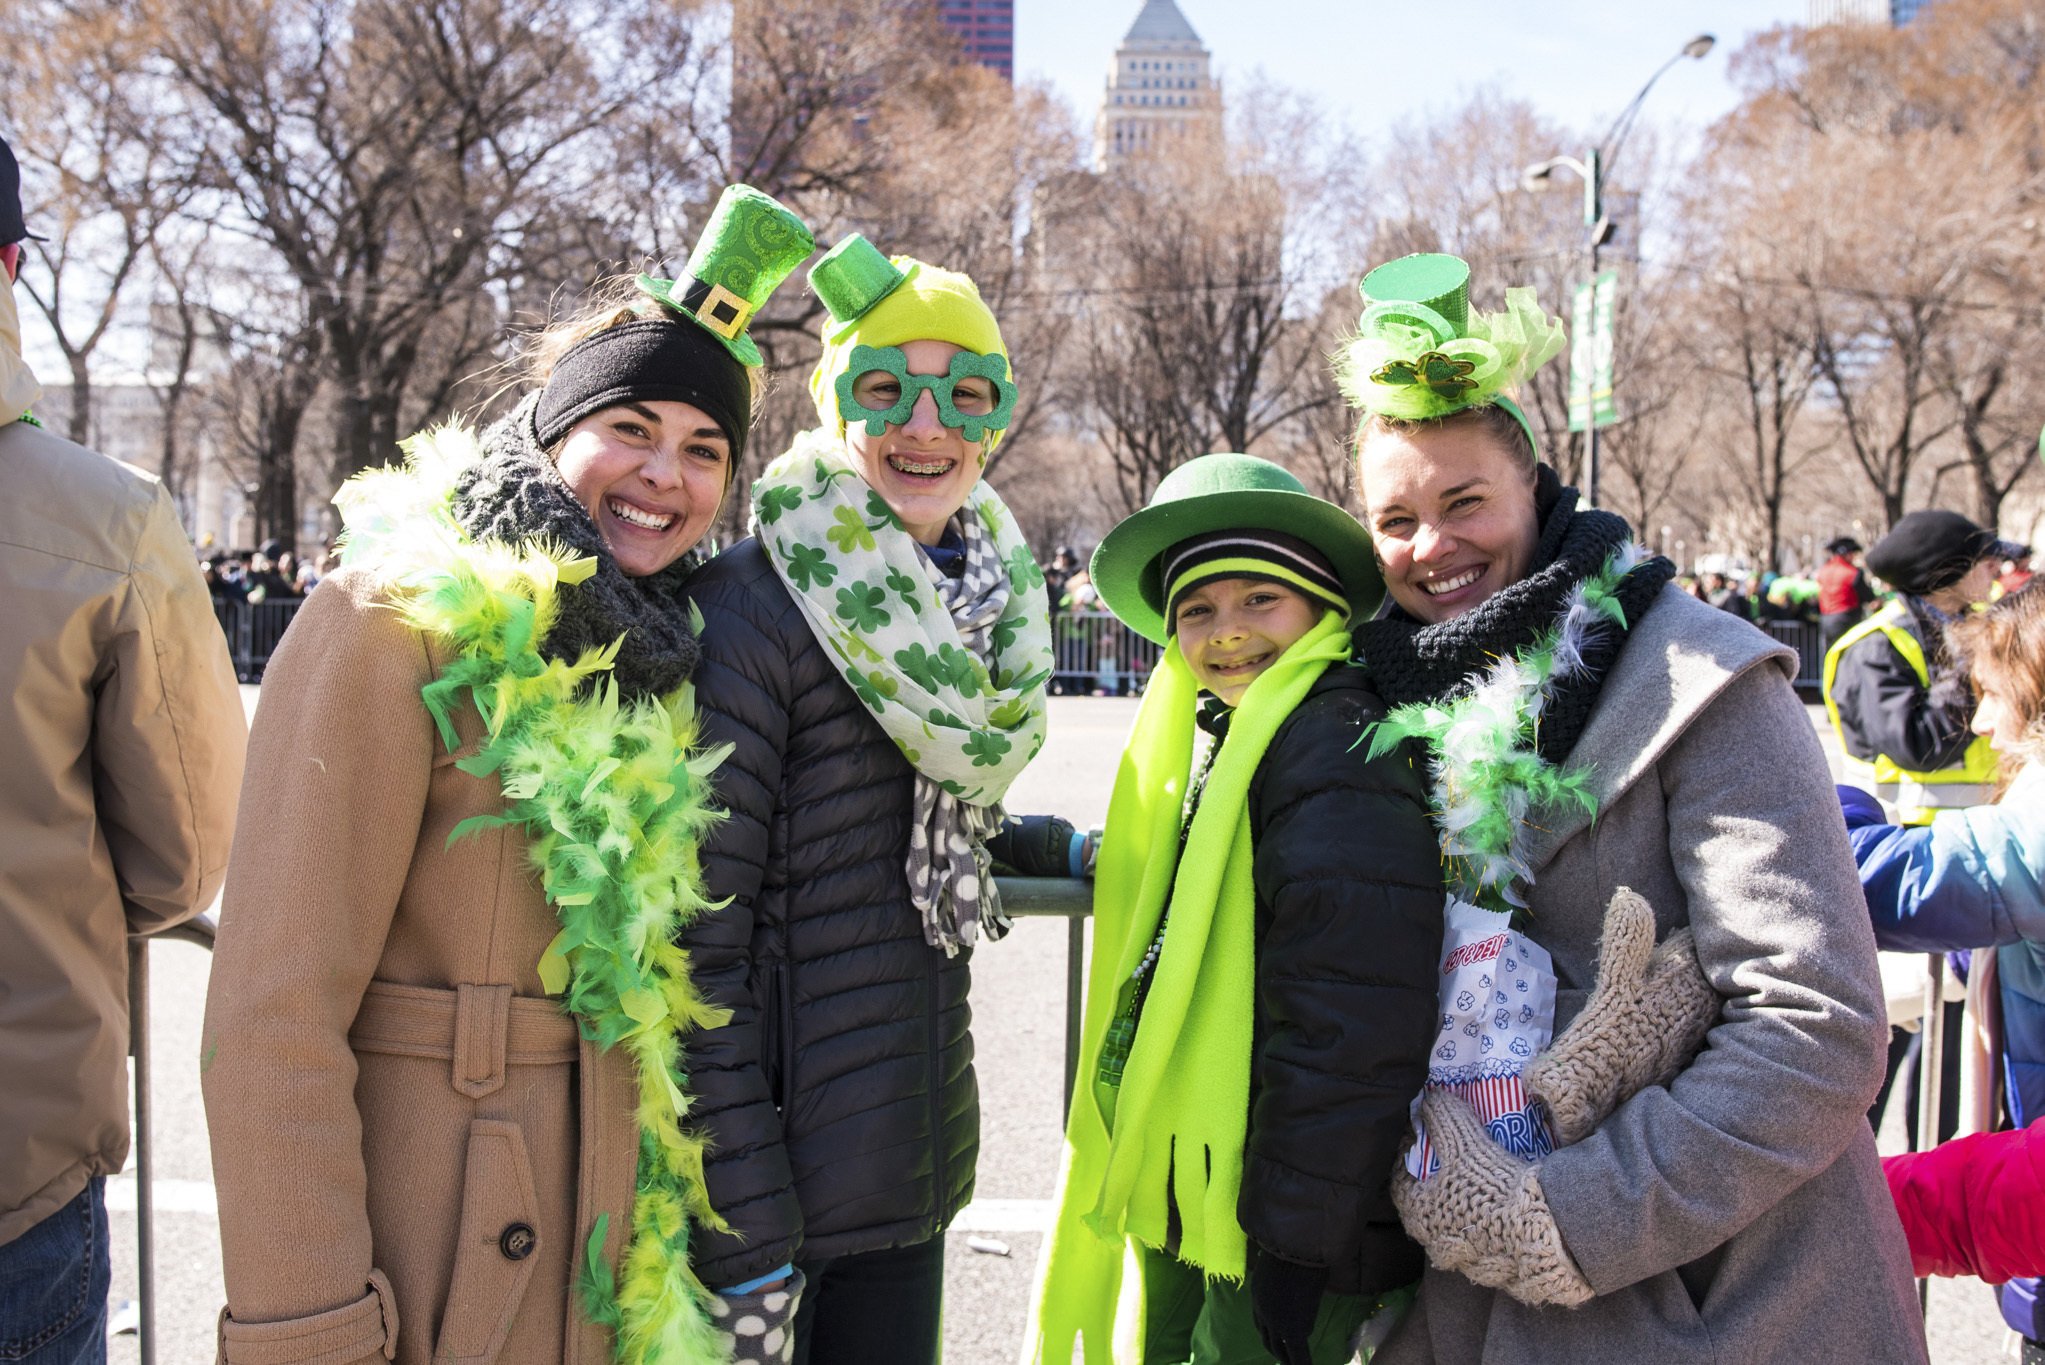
{"x": 1262, "y": 996}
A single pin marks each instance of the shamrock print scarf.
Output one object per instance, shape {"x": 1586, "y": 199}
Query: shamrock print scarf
{"x": 954, "y": 670}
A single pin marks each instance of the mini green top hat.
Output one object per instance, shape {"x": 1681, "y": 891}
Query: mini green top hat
{"x": 749, "y": 246}
{"x": 851, "y": 278}
{"x": 1422, "y": 353}
{"x": 1224, "y": 493}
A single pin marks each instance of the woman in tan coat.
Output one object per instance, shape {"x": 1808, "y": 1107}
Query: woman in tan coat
{"x": 441, "y": 1040}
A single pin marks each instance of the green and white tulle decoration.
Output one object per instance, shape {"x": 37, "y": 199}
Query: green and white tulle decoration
{"x": 1421, "y": 352}
{"x": 1404, "y": 370}
{"x": 1487, "y": 774}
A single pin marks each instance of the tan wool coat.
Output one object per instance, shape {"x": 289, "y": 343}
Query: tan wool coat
{"x": 412, "y": 1143}
{"x": 120, "y": 757}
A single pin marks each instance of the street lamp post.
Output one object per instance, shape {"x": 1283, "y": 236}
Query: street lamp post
{"x": 1595, "y": 167}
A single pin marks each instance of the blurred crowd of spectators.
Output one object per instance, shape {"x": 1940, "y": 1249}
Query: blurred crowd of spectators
{"x": 1766, "y": 597}
{"x": 270, "y": 573}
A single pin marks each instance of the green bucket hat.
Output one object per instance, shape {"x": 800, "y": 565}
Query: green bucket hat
{"x": 749, "y": 246}
{"x": 1227, "y": 492}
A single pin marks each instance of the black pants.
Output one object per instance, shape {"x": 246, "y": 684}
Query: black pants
{"x": 1904, "y": 1049}
{"x": 876, "y": 1308}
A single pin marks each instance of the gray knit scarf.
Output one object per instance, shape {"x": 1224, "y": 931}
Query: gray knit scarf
{"x": 515, "y": 494}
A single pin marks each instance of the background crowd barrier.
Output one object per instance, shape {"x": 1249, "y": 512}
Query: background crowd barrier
{"x": 1802, "y": 637}
{"x": 1094, "y": 651}
{"x": 253, "y": 630}
{"x": 1097, "y": 653}
{"x": 1071, "y": 899}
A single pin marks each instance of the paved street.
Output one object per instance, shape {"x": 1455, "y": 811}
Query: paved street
{"x": 1019, "y": 1030}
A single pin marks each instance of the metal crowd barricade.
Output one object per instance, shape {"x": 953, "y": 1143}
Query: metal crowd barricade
{"x": 1073, "y": 900}
{"x": 1809, "y": 645}
{"x": 1097, "y": 653}
{"x": 253, "y": 630}
{"x": 1931, "y": 1059}
{"x": 200, "y": 930}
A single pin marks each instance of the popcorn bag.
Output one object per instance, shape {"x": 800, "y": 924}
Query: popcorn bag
{"x": 1497, "y": 1013}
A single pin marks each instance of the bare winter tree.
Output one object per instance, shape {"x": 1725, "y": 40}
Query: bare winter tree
{"x": 1931, "y": 134}
{"x": 1762, "y": 359}
{"x": 1205, "y": 281}
{"x": 394, "y": 155}
{"x": 102, "y": 173}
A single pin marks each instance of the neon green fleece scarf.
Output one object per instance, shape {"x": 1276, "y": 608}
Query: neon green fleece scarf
{"x": 1186, "y": 1088}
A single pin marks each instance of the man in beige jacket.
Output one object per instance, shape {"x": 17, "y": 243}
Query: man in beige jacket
{"x": 120, "y": 760}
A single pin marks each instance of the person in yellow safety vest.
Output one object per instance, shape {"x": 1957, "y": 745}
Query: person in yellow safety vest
{"x": 1901, "y": 706}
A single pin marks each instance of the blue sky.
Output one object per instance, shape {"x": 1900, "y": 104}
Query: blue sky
{"x": 1371, "y": 61}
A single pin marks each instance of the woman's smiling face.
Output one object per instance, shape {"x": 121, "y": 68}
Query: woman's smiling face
{"x": 650, "y": 475}
{"x": 1451, "y": 514}
{"x": 923, "y": 469}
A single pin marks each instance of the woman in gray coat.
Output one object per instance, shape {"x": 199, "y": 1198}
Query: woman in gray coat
{"x": 1733, "y": 1208}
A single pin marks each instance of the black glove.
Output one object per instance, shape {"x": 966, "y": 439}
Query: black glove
{"x": 1285, "y": 1300}
{"x": 1033, "y": 846}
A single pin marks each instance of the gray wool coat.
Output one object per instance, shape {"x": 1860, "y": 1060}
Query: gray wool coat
{"x": 1740, "y": 1214}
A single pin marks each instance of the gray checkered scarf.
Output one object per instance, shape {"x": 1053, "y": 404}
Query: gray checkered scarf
{"x": 949, "y": 878}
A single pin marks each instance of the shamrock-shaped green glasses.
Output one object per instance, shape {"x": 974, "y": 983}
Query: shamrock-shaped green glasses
{"x": 879, "y": 374}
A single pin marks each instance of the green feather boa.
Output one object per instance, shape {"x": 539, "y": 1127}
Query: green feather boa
{"x": 614, "y": 803}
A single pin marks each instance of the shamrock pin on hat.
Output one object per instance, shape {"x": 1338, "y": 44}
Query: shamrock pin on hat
{"x": 1281, "y": 532}
{"x": 1422, "y": 352}
{"x": 749, "y": 246}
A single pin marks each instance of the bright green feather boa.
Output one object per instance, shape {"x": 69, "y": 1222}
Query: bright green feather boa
{"x": 1186, "y": 1088}
{"x": 614, "y": 803}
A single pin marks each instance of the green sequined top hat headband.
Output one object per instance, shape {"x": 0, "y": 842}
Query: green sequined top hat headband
{"x": 749, "y": 246}
{"x": 1422, "y": 353}
{"x": 1226, "y": 492}
{"x": 851, "y": 278}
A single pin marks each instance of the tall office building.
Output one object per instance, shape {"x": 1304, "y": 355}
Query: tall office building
{"x": 1896, "y": 13}
{"x": 1160, "y": 92}
{"x": 986, "y": 30}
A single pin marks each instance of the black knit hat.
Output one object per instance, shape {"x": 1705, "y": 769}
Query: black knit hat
{"x": 1255, "y": 553}
{"x": 1930, "y": 550}
{"x": 12, "y": 228}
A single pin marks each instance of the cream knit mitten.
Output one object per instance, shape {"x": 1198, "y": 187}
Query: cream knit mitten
{"x": 759, "y": 1328}
{"x": 1645, "y": 1019}
{"x": 1482, "y": 1215}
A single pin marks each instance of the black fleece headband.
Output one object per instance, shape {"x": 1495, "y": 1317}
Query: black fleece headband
{"x": 656, "y": 360}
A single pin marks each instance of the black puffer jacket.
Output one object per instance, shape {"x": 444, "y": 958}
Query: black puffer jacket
{"x": 1349, "y": 931}
{"x": 840, "y": 1099}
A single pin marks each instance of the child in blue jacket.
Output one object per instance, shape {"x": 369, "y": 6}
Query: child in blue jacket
{"x": 1975, "y": 879}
